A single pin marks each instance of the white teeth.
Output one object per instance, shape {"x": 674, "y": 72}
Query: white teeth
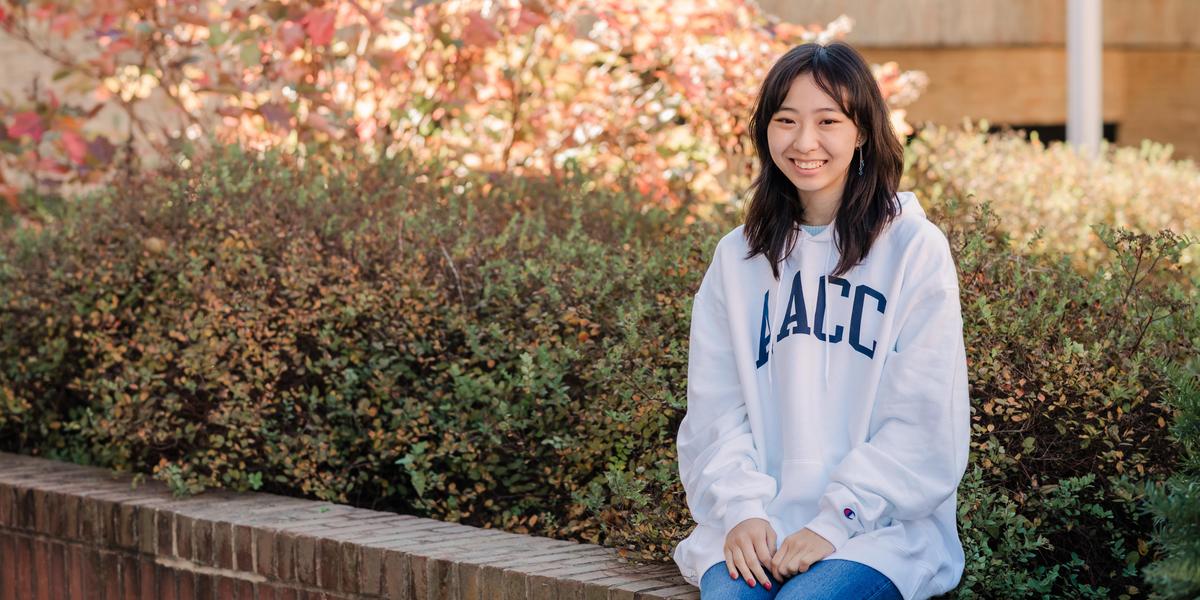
{"x": 809, "y": 165}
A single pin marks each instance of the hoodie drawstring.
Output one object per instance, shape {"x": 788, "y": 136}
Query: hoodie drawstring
{"x": 824, "y": 325}
{"x": 774, "y": 310}
{"x": 771, "y": 323}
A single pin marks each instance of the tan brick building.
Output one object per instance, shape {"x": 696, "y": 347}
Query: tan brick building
{"x": 1006, "y": 61}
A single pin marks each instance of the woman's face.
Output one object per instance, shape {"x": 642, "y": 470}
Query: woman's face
{"x": 809, "y": 130}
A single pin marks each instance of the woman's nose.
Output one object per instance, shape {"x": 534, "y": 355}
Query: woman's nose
{"x": 805, "y": 140}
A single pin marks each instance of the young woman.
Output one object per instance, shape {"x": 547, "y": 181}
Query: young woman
{"x": 827, "y": 425}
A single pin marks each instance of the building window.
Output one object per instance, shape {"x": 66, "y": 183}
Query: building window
{"x": 1056, "y": 132}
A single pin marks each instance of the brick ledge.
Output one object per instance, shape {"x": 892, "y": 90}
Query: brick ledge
{"x": 67, "y": 529}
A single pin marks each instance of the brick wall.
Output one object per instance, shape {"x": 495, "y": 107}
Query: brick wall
{"x": 68, "y": 531}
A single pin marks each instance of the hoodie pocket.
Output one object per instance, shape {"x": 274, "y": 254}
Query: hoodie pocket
{"x": 802, "y": 482}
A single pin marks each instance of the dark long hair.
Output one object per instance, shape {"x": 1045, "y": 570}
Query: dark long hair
{"x": 868, "y": 201}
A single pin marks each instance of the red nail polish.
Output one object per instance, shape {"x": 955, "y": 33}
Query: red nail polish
{"x": 767, "y": 584}
{"x": 751, "y": 583}
{"x": 733, "y": 575}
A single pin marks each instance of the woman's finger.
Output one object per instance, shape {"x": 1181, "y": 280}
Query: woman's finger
{"x": 756, "y": 566}
{"x": 811, "y": 558}
{"x": 783, "y": 561}
{"x": 800, "y": 562}
{"x": 764, "y": 551}
{"x": 765, "y": 554}
{"x": 729, "y": 564}
{"x": 739, "y": 561}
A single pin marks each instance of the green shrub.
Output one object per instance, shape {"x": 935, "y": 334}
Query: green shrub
{"x": 1067, "y": 407}
{"x": 512, "y": 353}
{"x": 479, "y": 350}
{"x": 1176, "y": 505}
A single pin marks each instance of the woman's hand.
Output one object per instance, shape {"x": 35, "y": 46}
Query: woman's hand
{"x": 798, "y": 552}
{"x": 749, "y": 546}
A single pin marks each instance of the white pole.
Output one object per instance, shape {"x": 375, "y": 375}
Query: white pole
{"x": 1085, "y": 44}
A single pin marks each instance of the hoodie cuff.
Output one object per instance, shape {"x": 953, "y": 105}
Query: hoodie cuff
{"x": 828, "y": 524}
{"x": 737, "y": 512}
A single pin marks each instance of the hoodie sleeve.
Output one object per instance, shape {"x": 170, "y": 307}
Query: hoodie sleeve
{"x": 717, "y": 456}
{"x": 919, "y": 435}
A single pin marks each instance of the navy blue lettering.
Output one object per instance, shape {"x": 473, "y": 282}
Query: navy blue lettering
{"x": 800, "y": 316}
{"x": 820, "y": 318}
{"x": 764, "y": 335}
{"x": 860, "y": 294}
{"x": 796, "y": 319}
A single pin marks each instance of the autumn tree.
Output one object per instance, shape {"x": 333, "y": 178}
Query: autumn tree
{"x": 653, "y": 91}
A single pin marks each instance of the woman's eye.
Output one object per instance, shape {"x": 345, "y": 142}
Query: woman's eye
{"x": 788, "y": 121}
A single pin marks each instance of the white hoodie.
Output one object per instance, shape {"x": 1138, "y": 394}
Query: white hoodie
{"x": 836, "y": 404}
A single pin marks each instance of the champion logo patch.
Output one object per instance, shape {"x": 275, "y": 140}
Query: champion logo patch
{"x": 849, "y": 513}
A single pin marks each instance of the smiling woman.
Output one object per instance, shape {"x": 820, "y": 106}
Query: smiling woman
{"x": 824, "y": 442}
{"x": 812, "y": 142}
{"x": 821, "y": 103}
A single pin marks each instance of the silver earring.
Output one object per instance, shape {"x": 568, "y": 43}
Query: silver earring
{"x": 860, "y": 160}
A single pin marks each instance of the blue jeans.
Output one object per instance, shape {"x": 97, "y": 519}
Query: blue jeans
{"x": 825, "y": 580}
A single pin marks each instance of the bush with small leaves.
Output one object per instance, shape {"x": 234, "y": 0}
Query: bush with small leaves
{"x": 511, "y": 352}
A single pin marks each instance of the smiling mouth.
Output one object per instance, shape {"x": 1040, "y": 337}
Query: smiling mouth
{"x": 809, "y": 165}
